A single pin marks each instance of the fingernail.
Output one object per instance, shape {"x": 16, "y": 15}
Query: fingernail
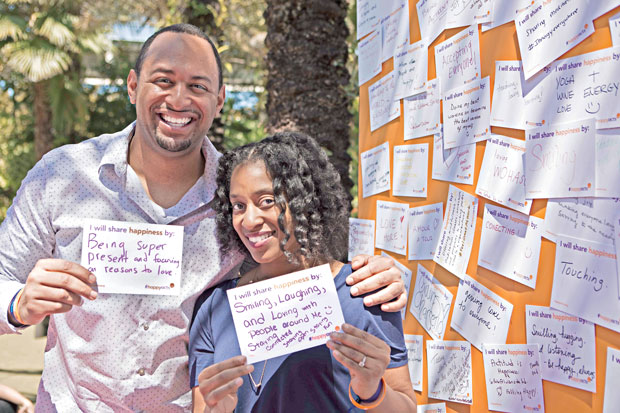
{"x": 354, "y": 290}
{"x": 367, "y": 302}
{"x": 349, "y": 280}
{"x": 93, "y": 294}
{"x": 92, "y": 278}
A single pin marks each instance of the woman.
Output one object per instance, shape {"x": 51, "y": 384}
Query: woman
{"x": 281, "y": 200}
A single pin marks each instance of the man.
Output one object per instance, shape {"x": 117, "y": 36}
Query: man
{"x": 121, "y": 352}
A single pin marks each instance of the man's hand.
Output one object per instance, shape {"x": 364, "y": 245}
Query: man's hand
{"x": 54, "y": 286}
{"x": 379, "y": 274}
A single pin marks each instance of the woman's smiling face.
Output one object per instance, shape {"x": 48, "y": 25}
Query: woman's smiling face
{"x": 255, "y": 214}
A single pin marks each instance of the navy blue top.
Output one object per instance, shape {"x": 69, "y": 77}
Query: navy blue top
{"x": 306, "y": 381}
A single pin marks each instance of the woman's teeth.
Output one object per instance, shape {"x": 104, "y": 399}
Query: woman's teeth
{"x": 255, "y": 239}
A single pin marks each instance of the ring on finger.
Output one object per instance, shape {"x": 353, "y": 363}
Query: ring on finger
{"x": 362, "y": 363}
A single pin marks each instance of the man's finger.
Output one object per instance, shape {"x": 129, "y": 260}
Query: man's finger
{"x": 396, "y": 305}
{"x": 359, "y": 260}
{"x": 387, "y": 294}
{"x": 373, "y": 265}
{"x": 69, "y": 267}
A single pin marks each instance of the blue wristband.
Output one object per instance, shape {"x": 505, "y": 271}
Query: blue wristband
{"x": 14, "y": 322}
{"x": 372, "y": 398}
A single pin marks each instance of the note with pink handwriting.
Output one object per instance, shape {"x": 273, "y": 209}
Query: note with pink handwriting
{"x": 422, "y": 112}
{"x": 383, "y": 107}
{"x": 559, "y": 160}
{"x": 449, "y": 371}
{"x": 548, "y": 29}
{"x": 391, "y": 227}
{"x": 415, "y": 357}
{"x": 457, "y": 60}
{"x": 133, "y": 258}
{"x": 430, "y": 303}
{"x": 453, "y": 165}
{"x": 502, "y": 174}
{"x": 424, "y": 229}
{"x": 285, "y": 314}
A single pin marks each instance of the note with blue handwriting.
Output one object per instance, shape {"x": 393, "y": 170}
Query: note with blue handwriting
{"x": 422, "y": 112}
{"x": 383, "y": 107}
{"x": 133, "y": 258}
{"x": 411, "y": 65}
{"x": 430, "y": 303}
{"x": 368, "y": 16}
{"x": 449, "y": 371}
{"x": 361, "y": 237}
{"x": 285, "y": 314}
{"x": 415, "y": 357}
{"x": 585, "y": 218}
{"x": 375, "y": 164}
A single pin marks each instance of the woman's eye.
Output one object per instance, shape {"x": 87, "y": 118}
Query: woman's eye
{"x": 268, "y": 201}
{"x": 236, "y": 206}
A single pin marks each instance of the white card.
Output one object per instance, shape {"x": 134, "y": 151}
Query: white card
{"x": 505, "y": 11}
{"x": 513, "y": 377}
{"x": 559, "y": 160}
{"x": 375, "y": 164}
{"x": 546, "y": 30}
{"x": 453, "y": 165}
{"x": 467, "y": 12}
{"x": 383, "y": 107}
{"x": 432, "y": 408}
{"x": 598, "y": 8}
{"x": 430, "y": 303}
{"x": 411, "y": 65}
{"x": 502, "y": 174}
{"x": 576, "y": 88}
{"x": 361, "y": 237}
{"x": 449, "y": 371}
{"x": 394, "y": 28}
{"x": 614, "y": 29}
{"x": 508, "y": 109}
{"x": 422, "y": 112}
{"x": 405, "y": 274}
{"x": 584, "y": 218}
{"x": 480, "y": 315}
{"x": 432, "y": 16}
{"x": 368, "y": 15}
{"x": 566, "y": 345}
{"x": 392, "y": 227}
{"x": 506, "y": 230}
{"x": 369, "y": 57}
{"x": 617, "y": 244}
{"x": 457, "y": 233}
{"x": 457, "y": 60}
{"x": 411, "y": 170}
{"x": 612, "y": 381}
{"x": 585, "y": 281}
{"x": 466, "y": 114}
{"x": 607, "y": 166}
{"x": 424, "y": 229}
{"x": 415, "y": 357}
{"x": 133, "y": 258}
{"x": 285, "y": 314}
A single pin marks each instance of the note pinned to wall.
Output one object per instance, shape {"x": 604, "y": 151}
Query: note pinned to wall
{"x": 453, "y": 165}
{"x": 576, "y": 88}
{"x": 506, "y": 230}
{"x": 411, "y": 170}
{"x": 368, "y": 17}
{"x": 383, "y": 107}
{"x": 457, "y": 233}
{"x": 406, "y": 275}
{"x": 375, "y": 164}
{"x": 415, "y": 357}
{"x": 361, "y": 237}
{"x": 612, "y": 381}
{"x": 422, "y": 112}
{"x": 449, "y": 371}
{"x": 480, "y": 315}
{"x": 505, "y": 11}
{"x": 457, "y": 60}
{"x": 584, "y": 218}
{"x": 508, "y": 109}
{"x": 391, "y": 227}
{"x": 424, "y": 229}
{"x": 369, "y": 57}
{"x": 546, "y": 30}
{"x": 566, "y": 345}
{"x": 607, "y": 165}
{"x": 467, "y": 12}
{"x": 432, "y": 408}
{"x": 585, "y": 281}
{"x": 559, "y": 160}
{"x": 502, "y": 174}
{"x": 430, "y": 303}
{"x": 432, "y": 16}
{"x": 513, "y": 378}
{"x": 466, "y": 114}
{"x": 614, "y": 29}
{"x": 410, "y": 65}
{"x": 394, "y": 28}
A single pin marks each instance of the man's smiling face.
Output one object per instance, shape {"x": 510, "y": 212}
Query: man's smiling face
{"x": 176, "y": 94}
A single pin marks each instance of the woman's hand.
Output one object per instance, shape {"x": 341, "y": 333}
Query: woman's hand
{"x": 219, "y": 383}
{"x": 365, "y": 355}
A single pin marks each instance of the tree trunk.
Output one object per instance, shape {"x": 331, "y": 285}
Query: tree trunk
{"x": 198, "y": 14}
{"x": 307, "y": 74}
{"x": 43, "y": 136}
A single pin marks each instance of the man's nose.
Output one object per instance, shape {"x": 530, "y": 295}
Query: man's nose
{"x": 178, "y": 98}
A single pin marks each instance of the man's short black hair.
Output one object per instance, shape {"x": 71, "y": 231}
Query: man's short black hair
{"x": 179, "y": 28}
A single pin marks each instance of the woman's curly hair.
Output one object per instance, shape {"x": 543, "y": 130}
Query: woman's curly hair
{"x": 305, "y": 181}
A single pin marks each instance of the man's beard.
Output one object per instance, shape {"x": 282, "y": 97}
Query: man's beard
{"x": 172, "y": 145}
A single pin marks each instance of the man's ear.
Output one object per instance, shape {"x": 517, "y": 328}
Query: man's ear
{"x": 221, "y": 98}
{"x": 132, "y": 86}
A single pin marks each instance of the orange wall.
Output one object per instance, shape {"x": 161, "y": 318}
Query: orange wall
{"x": 496, "y": 44}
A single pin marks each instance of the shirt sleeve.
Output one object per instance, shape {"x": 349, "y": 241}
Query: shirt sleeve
{"x": 389, "y": 328}
{"x": 26, "y": 235}
{"x": 201, "y": 346}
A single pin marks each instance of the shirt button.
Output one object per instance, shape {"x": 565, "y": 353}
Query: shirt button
{"x": 141, "y": 372}
{"x": 145, "y": 326}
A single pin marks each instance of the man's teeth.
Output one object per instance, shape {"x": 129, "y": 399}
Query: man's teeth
{"x": 259, "y": 238}
{"x": 176, "y": 121}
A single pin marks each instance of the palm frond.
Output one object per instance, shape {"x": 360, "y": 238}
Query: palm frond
{"x": 95, "y": 42}
{"x": 12, "y": 27}
{"x": 36, "y": 62}
{"x": 56, "y": 32}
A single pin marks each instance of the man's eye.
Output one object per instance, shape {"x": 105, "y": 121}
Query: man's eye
{"x": 163, "y": 80}
{"x": 200, "y": 87}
